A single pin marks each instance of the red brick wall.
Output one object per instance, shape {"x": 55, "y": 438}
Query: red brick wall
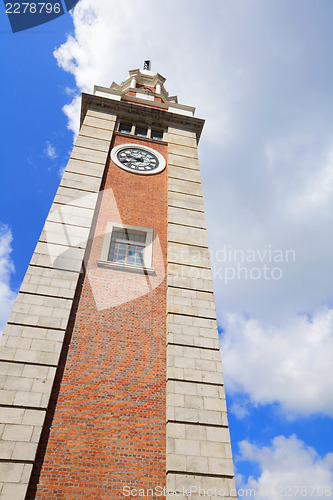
{"x": 108, "y": 429}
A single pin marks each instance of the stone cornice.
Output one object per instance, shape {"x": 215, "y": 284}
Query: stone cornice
{"x": 127, "y": 110}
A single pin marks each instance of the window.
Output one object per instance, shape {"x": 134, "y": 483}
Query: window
{"x": 125, "y": 128}
{"x": 128, "y": 248}
{"x": 141, "y": 131}
{"x": 157, "y": 134}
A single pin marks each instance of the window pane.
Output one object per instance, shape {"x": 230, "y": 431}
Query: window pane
{"x": 141, "y": 131}
{"x": 127, "y": 246}
{"x": 119, "y": 235}
{"x": 125, "y": 128}
{"x": 157, "y": 134}
{"x": 131, "y": 250}
{"x": 139, "y": 256}
{"x": 124, "y": 235}
{"x": 137, "y": 237}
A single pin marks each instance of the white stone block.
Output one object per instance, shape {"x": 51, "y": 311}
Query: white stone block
{"x": 180, "y": 387}
{"x": 175, "y": 400}
{"x": 101, "y": 114}
{"x": 205, "y": 365}
{"x": 228, "y": 451}
{"x": 214, "y": 404}
{"x": 11, "y": 491}
{"x": 75, "y": 198}
{"x": 194, "y": 402}
{"x": 17, "y": 342}
{"x": 99, "y": 123}
{"x": 197, "y": 464}
{"x": 181, "y": 276}
{"x": 94, "y": 132}
{"x": 183, "y": 173}
{"x": 185, "y": 200}
{"x": 37, "y": 371}
{"x": 175, "y": 373}
{"x": 188, "y": 255}
{"x": 51, "y": 282}
{"x": 223, "y": 466}
{"x": 17, "y": 384}
{"x": 182, "y": 139}
{"x": 85, "y": 168}
{"x": 31, "y": 399}
{"x": 13, "y": 432}
{"x": 178, "y": 233}
{"x": 65, "y": 234}
{"x": 186, "y": 217}
{"x": 197, "y": 432}
{"x": 186, "y": 414}
{"x": 90, "y": 155}
{"x": 91, "y": 143}
{"x": 11, "y": 415}
{"x": 175, "y": 430}
{"x": 175, "y": 462}
{"x": 210, "y": 449}
{"x": 218, "y": 434}
{"x": 177, "y": 149}
{"x": 186, "y": 187}
{"x": 187, "y": 447}
{"x": 36, "y": 434}
{"x": 182, "y": 362}
{"x": 24, "y": 451}
{"x": 80, "y": 181}
{"x": 7, "y": 397}
{"x": 49, "y": 358}
{"x": 170, "y": 445}
{"x": 11, "y": 472}
{"x": 210, "y": 417}
{"x": 59, "y": 251}
{"x": 33, "y": 417}
{"x": 6, "y": 450}
{"x": 209, "y": 391}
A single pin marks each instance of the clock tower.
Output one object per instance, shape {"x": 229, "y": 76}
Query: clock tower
{"x": 111, "y": 375}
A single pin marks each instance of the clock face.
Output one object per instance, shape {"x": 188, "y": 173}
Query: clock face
{"x": 138, "y": 159}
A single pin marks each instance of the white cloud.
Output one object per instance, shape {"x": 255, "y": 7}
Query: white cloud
{"x": 265, "y": 145}
{"x": 288, "y": 468}
{"x": 61, "y": 170}
{"x": 50, "y": 151}
{"x": 112, "y": 37}
{"x": 317, "y": 192}
{"x": 72, "y": 111}
{"x": 7, "y": 296}
{"x": 263, "y": 85}
{"x": 287, "y": 363}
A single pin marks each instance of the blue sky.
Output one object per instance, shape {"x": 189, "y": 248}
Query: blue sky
{"x": 261, "y": 74}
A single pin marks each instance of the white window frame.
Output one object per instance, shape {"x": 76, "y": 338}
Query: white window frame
{"x": 147, "y": 253}
{"x": 134, "y": 125}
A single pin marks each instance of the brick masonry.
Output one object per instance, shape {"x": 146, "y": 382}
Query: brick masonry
{"x": 115, "y": 372}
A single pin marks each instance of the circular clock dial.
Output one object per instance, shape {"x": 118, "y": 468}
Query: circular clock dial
{"x": 137, "y": 159}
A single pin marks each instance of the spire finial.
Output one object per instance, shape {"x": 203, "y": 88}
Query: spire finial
{"x": 147, "y": 64}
